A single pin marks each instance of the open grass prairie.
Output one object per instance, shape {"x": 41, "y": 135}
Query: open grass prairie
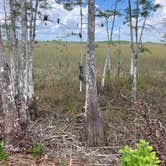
{"x": 56, "y": 65}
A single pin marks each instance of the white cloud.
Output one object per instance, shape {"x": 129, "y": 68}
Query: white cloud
{"x": 157, "y": 21}
{"x": 71, "y": 23}
{"x": 155, "y": 25}
{"x": 71, "y": 19}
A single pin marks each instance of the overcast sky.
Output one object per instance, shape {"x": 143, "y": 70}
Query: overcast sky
{"x": 71, "y": 23}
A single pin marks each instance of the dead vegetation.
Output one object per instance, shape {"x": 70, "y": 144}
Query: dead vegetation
{"x": 61, "y": 131}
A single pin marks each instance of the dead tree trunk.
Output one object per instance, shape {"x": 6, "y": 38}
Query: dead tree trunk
{"x": 93, "y": 122}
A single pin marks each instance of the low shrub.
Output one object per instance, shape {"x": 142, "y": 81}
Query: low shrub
{"x": 142, "y": 155}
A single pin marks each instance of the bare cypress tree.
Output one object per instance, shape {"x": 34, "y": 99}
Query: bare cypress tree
{"x": 23, "y": 71}
{"x": 16, "y": 119}
{"x": 10, "y": 43}
{"x": 141, "y": 11}
{"x": 68, "y": 5}
{"x": 94, "y": 124}
{"x": 11, "y": 125}
{"x": 14, "y": 43}
{"x": 134, "y": 80}
{"x": 32, "y": 34}
{"x": 81, "y": 49}
{"x": 107, "y": 64}
{"x": 131, "y": 42}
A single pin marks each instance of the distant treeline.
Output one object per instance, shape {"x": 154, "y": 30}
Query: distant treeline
{"x": 77, "y": 42}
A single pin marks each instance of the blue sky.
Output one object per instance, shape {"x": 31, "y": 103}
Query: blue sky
{"x": 70, "y": 23}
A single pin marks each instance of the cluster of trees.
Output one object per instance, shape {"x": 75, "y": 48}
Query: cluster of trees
{"x": 141, "y": 10}
{"x": 17, "y": 31}
{"x": 16, "y": 79}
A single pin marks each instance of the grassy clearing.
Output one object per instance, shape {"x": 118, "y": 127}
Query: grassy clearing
{"x": 56, "y": 68}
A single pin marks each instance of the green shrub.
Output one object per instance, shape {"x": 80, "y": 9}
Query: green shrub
{"x": 142, "y": 155}
{"x": 36, "y": 151}
{"x": 3, "y": 154}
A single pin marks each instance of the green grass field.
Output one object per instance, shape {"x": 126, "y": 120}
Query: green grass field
{"x": 56, "y": 65}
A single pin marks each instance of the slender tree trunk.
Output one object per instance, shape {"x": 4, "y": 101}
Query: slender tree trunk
{"x": 131, "y": 65}
{"x": 14, "y": 41}
{"x": 10, "y": 42}
{"x": 11, "y": 125}
{"x": 134, "y": 83}
{"x": 142, "y": 30}
{"x": 108, "y": 52}
{"x": 119, "y": 55}
{"x": 11, "y": 56}
{"x": 24, "y": 71}
{"x": 107, "y": 65}
{"x": 30, "y": 72}
{"x": 81, "y": 51}
{"x": 32, "y": 35}
{"x": 94, "y": 124}
{"x": 132, "y": 44}
{"x": 104, "y": 75}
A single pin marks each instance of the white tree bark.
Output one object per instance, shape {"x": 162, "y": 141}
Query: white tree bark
{"x": 32, "y": 34}
{"x": 24, "y": 68}
{"x": 11, "y": 125}
{"x": 134, "y": 83}
{"x": 10, "y": 42}
{"x": 132, "y": 65}
{"x": 93, "y": 122}
{"x": 107, "y": 65}
{"x": 14, "y": 44}
{"x": 30, "y": 61}
{"x": 132, "y": 43}
{"x": 104, "y": 74}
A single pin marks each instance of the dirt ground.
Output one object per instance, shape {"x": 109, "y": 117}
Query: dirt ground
{"x": 62, "y": 133}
